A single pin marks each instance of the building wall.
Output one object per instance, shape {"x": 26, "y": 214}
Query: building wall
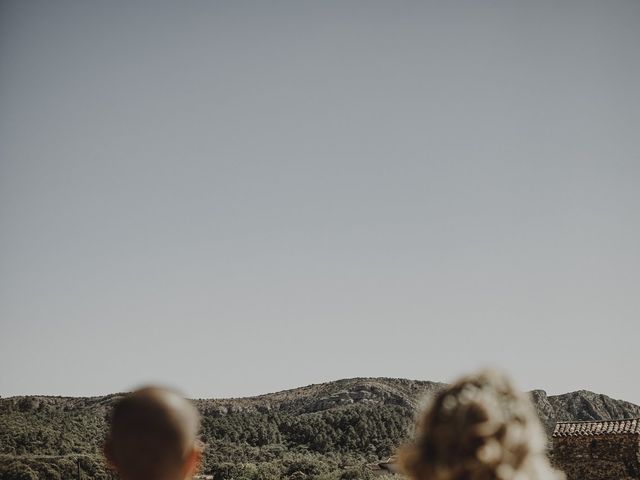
{"x": 601, "y": 457}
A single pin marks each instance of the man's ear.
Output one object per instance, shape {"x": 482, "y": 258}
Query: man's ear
{"x": 192, "y": 464}
{"x": 107, "y": 449}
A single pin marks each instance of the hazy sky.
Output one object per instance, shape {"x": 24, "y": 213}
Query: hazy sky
{"x": 240, "y": 197}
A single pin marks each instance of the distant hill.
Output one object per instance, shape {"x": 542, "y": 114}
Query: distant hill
{"x": 325, "y": 431}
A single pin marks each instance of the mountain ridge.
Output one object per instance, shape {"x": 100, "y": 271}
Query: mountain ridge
{"x": 304, "y": 387}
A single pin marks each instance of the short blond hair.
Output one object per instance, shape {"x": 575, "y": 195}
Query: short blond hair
{"x": 152, "y": 432}
{"x": 479, "y": 428}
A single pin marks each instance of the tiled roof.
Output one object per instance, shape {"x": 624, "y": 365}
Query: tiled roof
{"x": 605, "y": 427}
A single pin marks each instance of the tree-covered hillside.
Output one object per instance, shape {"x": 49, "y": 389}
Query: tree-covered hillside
{"x": 325, "y": 431}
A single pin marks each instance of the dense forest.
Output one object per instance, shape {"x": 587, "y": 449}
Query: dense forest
{"x": 328, "y": 431}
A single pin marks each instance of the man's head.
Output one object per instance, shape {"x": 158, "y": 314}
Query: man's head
{"x": 153, "y": 435}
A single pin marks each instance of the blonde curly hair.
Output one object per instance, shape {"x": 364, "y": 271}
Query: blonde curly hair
{"x": 479, "y": 428}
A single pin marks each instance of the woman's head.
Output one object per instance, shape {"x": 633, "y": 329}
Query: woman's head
{"x": 479, "y": 428}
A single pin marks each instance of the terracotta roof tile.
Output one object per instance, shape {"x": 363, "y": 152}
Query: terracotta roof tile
{"x": 616, "y": 427}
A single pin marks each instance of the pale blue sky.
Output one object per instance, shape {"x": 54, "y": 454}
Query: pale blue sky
{"x": 240, "y": 197}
